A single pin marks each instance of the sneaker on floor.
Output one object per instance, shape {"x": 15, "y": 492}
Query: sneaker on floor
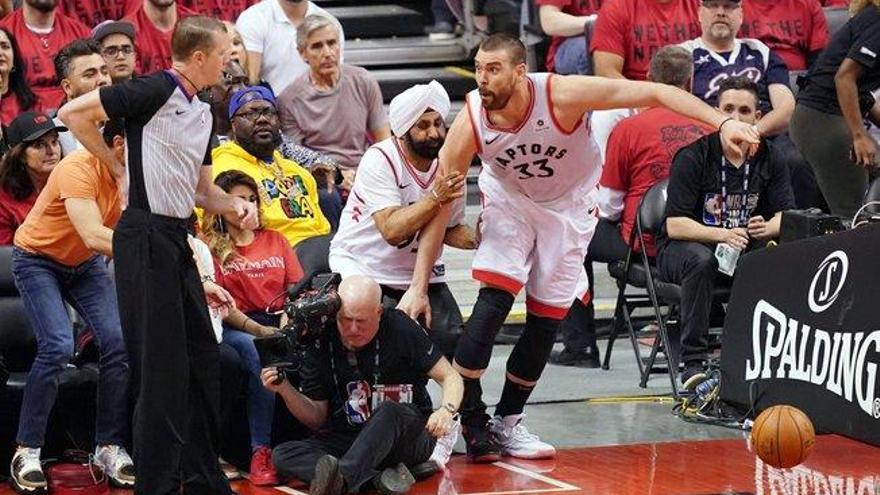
{"x": 328, "y": 480}
{"x": 515, "y": 440}
{"x": 27, "y": 472}
{"x": 231, "y": 472}
{"x": 441, "y": 31}
{"x": 480, "y": 447}
{"x": 577, "y": 359}
{"x": 116, "y": 464}
{"x": 445, "y": 444}
{"x": 262, "y": 471}
{"x": 394, "y": 481}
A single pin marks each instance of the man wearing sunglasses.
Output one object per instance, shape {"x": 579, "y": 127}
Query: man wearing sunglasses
{"x": 117, "y": 47}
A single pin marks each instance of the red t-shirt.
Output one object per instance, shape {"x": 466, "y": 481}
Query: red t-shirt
{"x": 38, "y": 53}
{"x": 10, "y": 108}
{"x": 225, "y": 10}
{"x": 573, "y": 7}
{"x": 791, "y": 28}
{"x": 152, "y": 46}
{"x": 636, "y": 29}
{"x": 12, "y": 214}
{"x": 264, "y": 269}
{"x": 93, "y": 12}
{"x": 639, "y": 154}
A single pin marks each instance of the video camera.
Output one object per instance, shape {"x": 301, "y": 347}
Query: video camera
{"x": 307, "y": 311}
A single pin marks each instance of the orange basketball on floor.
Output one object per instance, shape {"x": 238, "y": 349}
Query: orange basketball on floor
{"x": 783, "y": 436}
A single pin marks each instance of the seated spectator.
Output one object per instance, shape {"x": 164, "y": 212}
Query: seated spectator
{"x": 639, "y": 155}
{"x": 225, "y": 10}
{"x": 59, "y": 258}
{"x": 237, "y": 52}
{"x": 79, "y": 68}
{"x": 94, "y": 12}
{"x": 629, "y": 32}
{"x": 738, "y": 203}
{"x": 397, "y": 191}
{"x": 828, "y": 123}
{"x": 117, "y": 46}
{"x": 288, "y": 193}
{"x": 269, "y": 32}
{"x": 564, "y": 20}
{"x": 255, "y": 267}
{"x": 25, "y": 168}
{"x": 41, "y": 31}
{"x": 334, "y": 108}
{"x": 234, "y": 79}
{"x": 796, "y": 30}
{"x": 361, "y": 441}
{"x": 154, "y": 22}
{"x": 15, "y": 93}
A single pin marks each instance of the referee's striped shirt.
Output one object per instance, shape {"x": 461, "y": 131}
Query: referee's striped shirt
{"x": 168, "y": 133}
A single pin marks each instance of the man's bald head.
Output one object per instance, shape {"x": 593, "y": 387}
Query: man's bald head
{"x": 360, "y": 291}
{"x": 358, "y": 318}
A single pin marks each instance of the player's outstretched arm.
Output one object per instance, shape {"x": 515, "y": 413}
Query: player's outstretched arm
{"x": 83, "y": 116}
{"x": 573, "y": 96}
{"x": 456, "y": 155}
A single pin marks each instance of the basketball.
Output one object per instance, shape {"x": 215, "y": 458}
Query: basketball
{"x": 783, "y": 436}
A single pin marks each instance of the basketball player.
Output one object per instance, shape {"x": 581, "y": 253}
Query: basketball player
{"x": 539, "y": 164}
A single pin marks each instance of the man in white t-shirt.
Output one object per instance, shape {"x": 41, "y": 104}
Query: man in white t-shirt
{"x": 396, "y": 192}
{"x": 268, "y": 31}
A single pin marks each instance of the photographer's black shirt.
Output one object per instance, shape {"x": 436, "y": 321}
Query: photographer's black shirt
{"x": 406, "y": 354}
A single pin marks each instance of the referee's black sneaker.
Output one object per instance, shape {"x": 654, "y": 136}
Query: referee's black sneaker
{"x": 480, "y": 447}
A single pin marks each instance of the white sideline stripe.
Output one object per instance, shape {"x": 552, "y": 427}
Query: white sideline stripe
{"x": 562, "y": 486}
{"x": 291, "y": 491}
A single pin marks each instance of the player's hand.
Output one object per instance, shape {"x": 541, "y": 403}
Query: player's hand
{"x": 347, "y": 178}
{"x": 440, "y": 422}
{"x": 247, "y": 213}
{"x": 414, "y": 304}
{"x": 269, "y": 377}
{"x": 757, "y": 228}
{"x": 218, "y": 298}
{"x": 865, "y": 151}
{"x": 739, "y": 138}
{"x": 737, "y": 238}
{"x": 448, "y": 187}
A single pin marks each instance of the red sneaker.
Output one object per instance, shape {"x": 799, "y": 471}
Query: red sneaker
{"x": 262, "y": 471}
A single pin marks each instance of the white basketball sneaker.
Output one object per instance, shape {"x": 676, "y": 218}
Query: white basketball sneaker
{"x": 515, "y": 440}
{"x": 445, "y": 444}
{"x": 27, "y": 472}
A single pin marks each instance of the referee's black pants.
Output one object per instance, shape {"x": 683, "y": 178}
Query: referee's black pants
{"x": 174, "y": 357}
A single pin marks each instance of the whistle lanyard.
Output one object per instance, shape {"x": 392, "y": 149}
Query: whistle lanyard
{"x": 354, "y": 365}
{"x": 743, "y": 214}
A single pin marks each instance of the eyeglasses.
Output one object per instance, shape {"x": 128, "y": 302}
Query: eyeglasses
{"x": 253, "y": 115}
{"x": 112, "y": 51}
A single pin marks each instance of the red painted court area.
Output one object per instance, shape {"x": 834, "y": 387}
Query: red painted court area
{"x": 838, "y": 466}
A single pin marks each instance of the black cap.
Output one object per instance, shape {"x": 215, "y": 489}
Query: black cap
{"x": 107, "y": 28}
{"x": 29, "y": 127}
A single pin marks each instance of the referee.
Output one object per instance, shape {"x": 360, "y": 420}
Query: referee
{"x": 161, "y": 300}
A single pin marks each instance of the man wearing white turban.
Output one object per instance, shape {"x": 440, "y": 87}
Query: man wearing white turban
{"x": 397, "y": 191}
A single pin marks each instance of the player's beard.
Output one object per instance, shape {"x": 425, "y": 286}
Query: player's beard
{"x": 44, "y": 6}
{"x": 428, "y": 149}
{"x": 496, "y": 101}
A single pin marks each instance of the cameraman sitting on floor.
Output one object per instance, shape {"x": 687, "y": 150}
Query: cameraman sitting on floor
{"x": 371, "y": 353}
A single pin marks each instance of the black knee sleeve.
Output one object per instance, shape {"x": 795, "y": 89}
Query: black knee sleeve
{"x": 475, "y": 346}
{"x": 529, "y": 355}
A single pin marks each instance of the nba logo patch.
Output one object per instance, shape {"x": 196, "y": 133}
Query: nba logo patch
{"x": 357, "y": 407}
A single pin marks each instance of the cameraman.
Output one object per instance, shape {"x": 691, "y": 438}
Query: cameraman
{"x": 355, "y": 444}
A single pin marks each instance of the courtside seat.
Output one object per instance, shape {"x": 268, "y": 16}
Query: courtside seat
{"x": 836, "y": 17}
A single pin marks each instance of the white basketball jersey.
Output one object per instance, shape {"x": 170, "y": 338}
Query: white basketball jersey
{"x": 536, "y": 157}
{"x": 384, "y": 179}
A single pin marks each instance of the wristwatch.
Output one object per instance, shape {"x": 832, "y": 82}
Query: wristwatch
{"x": 449, "y": 407}
{"x": 207, "y": 278}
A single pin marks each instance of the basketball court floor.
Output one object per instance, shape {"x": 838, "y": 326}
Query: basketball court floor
{"x": 617, "y": 439}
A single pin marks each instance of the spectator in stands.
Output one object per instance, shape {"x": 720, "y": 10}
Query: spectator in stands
{"x": 397, "y": 191}
{"x": 256, "y": 267}
{"x": 828, "y": 124}
{"x": 794, "y": 29}
{"x": 234, "y": 79}
{"x": 94, "y": 12}
{"x": 41, "y": 31}
{"x": 355, "y": 446}
{"x": 639, "y": 154}
{"x": 334, "y": 108}
{"x": 564, "y": 20}
{"x": 444, "y": 22}
{"x": 34, "y": 152}
{"x": 59, "y": 257}
{"x": 80, "y": 68}
{"x": 117, "y": 46}
{"x": 629, "y": 32}
{"x": 269, "y": 32}
{"x": 15, "y": 93}
{"x": 237, "y": 52}
{"x": 225, "y": 10}
{"x": 154, "y": 22}
{"x": 288, "y": 193}
{"x": 738, "y": 203}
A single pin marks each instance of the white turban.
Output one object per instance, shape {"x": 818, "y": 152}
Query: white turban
{"x": 407, "y": 107}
